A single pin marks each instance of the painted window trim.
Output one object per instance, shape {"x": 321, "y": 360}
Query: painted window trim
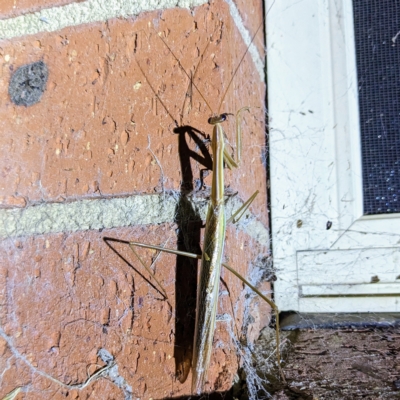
{"x": 315, "y": 157}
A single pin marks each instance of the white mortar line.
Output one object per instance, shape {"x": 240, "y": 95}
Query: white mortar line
{"x": 55, "y": 18}
{"x": 255, "y": 55}
{"x": 97, "y": 214}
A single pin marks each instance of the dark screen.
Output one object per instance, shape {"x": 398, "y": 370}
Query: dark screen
{"x": 377, "y": 36}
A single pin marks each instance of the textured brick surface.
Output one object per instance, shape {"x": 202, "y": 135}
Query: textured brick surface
{"x": 252, "y": 14}
{"x": 66, "y": 296}
{"x": 89, "y": 134}
{"x": 104, "y": 128}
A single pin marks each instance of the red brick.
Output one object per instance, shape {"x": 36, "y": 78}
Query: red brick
{"x": 83, "y": 300}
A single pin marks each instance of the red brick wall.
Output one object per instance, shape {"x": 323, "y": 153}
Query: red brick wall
{"x": 64, "y": 293}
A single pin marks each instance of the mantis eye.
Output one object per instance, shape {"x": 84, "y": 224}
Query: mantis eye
{"x": 218, "y": 119}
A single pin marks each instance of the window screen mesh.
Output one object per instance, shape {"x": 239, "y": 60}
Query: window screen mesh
{"x": 377, "y": 35}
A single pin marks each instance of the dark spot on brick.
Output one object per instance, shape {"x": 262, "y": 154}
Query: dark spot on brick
{"x": 28, "y": 84}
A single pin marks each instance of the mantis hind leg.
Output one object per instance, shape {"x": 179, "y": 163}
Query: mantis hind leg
{"x": 132, "y": 245}
{"x": 148, "y": 269}
{"x": 235, "y": 218}
{"x": 275, "y": 308}
{"x": 245, "y": 281}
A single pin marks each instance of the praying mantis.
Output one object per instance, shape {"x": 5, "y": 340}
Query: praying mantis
{"x": 213, "y": 246}
{"x": 211, "y": 258}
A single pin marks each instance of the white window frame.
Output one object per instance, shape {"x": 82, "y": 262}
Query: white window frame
{"x": 315, "y": 168}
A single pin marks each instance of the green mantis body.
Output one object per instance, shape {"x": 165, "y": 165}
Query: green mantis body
{"x": 211, "y": 261}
